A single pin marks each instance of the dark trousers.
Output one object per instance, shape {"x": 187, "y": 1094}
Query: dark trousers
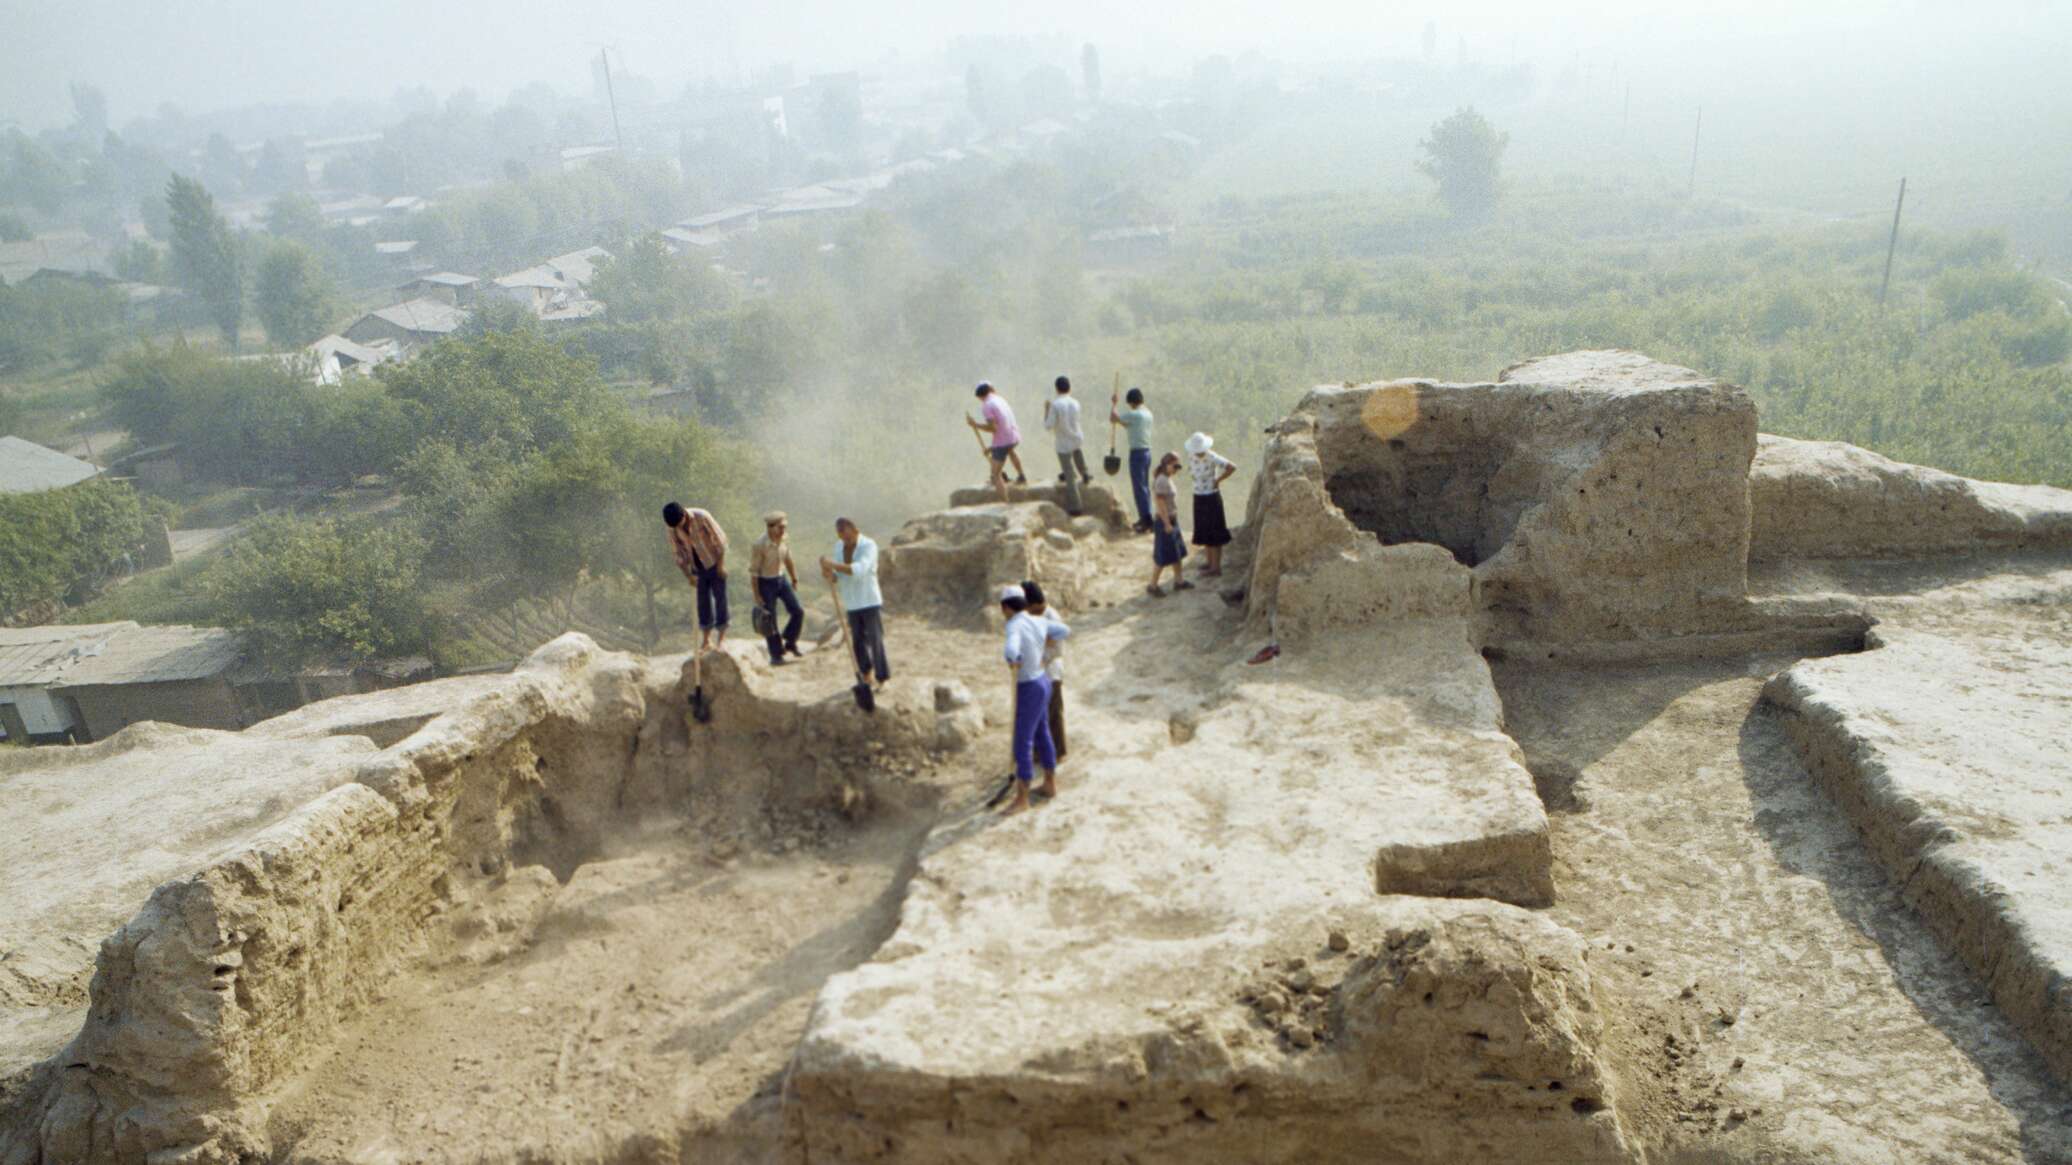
{"x": 772, "y": 591}
{"x": 1057, "y": 716}
{"x": 712, "y": 598}
{"x": 867, "y": 639}
{"x": 1140, "y": 483}
{"x": 1075, "y": 502}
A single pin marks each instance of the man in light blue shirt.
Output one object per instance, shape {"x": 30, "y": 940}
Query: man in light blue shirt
{"x": 853, "y": 569}
{"x": 1136, "y": 420}
{"x": 1033, "y": 747}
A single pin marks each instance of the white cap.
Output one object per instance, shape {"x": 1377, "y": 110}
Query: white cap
{"x": 1011, "y": 591}
{"x": 1200, "y": 443}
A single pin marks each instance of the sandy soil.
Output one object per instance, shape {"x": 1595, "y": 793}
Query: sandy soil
{"x": 1794, "y": 1008}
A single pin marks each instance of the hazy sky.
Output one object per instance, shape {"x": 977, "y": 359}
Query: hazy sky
{"x": 210, "y": 54}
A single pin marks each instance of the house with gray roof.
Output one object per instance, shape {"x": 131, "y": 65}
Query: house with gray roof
{"x": 411, "y": 323}
{"x": 26, "y": 467}
{"x": 178, "y": 675}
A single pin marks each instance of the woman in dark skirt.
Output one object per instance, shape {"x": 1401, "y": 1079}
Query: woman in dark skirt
{"x": 1209, "y": 470}
{"x": 1168, "y": 545}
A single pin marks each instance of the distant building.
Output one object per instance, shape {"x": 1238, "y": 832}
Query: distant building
{"x": 1120, "y": 245}
{"x": 732, "y": 220}
{"x": 74, "y": 684}
{"x": 74, "y": 252}
{"x": 581, "y": 157}
{"x": 26, "y": 467}
{"x": 409, "y": 324}
{"x": 178, "y": 675}
{"x": 450, "y": 286}
{"x": 337, "y": 357}
{"x": 683, "y": 242}
{"x": 534, "y": 288}
{"x": 812, "y": 200}
{"x": 577, "y": 267}
{"x": 32, "y": 660}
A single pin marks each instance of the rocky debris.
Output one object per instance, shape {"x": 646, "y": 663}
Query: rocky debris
{"x": 1480, "y": 1042}
{"x": 1948, "y": 752}
{"x": 1825, "y": 499}
{"x": 1103, "y": 510}
{"x": 947, "y": 562}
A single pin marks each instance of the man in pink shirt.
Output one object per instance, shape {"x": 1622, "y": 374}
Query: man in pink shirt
{"x": 999, "y": 422}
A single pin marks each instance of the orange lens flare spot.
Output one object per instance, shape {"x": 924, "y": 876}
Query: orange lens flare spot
{"x": 1390, "y": 409}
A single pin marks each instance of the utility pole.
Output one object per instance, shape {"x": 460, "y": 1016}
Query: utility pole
{"x": 1893, "y": 245}
{"x": 613, "y": 97}
{"x": 1692, "y": 190}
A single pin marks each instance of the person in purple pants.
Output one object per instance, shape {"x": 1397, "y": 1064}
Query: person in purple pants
{"x": 1033, "y": 746}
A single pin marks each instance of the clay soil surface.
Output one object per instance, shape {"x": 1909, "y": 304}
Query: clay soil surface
{"x": 1790, "y": 1005}
{"x": 650, "y": 1018}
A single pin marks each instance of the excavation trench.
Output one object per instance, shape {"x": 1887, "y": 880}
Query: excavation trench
{"x": 557, "y": 921}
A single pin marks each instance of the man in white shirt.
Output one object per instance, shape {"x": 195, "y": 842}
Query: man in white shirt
{"x": 853, "y": 569}
{"x": 1033, "y": 748}
{"x": 1061, "y": 417}
{"x": 1053, "y": 660}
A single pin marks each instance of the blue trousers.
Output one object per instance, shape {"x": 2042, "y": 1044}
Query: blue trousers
{"x": 772, "y": 591}
{"x": 1033, "y": 747}
{"x": 1140, "y": 483}
{"x": 712, "y": 599}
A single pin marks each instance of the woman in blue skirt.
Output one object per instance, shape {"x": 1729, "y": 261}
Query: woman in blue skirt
{"x": 1168, "y": 545}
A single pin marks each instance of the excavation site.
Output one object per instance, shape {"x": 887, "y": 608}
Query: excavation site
{"x": 1628, "y": 785}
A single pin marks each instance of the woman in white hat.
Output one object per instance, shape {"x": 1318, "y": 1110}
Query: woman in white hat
{"x": 1210, "y": 470}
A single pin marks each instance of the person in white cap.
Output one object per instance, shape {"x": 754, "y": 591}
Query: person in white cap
{"x": 1210, "y": 470}
{"x": 1033, "y": 746}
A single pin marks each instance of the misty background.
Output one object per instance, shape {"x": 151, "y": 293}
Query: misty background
{"x": 755, "y": 256}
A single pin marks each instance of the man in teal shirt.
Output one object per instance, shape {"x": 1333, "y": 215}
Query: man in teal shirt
{"x": 1137, "y": 419}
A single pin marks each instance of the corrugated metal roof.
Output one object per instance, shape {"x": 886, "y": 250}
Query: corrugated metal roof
{"x": 37, "y": 656}
{"x": 423, "y": 315}
{"x": 26, "y": 467}
{"x": 149, "y": 655}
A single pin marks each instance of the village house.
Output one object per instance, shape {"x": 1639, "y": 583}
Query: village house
{"x": 26, "y": 467}
{"x": 447, "y": 286}
{"x": 410, "y": 324}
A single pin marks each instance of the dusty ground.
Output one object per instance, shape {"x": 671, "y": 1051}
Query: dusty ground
{"x": 1784, "y": 1004}
{"x": 1797, "y": 1009}
{"x": 650, "y": 1018}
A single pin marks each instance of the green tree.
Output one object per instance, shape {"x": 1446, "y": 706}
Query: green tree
{"x": 294, "y": 215}
{"x": 1462, "y": 156}
{"x": 663, "y": 460}
{"x": 321, "y": 590}
{"x": 644, "y": 282}
{"x": 500, "y": 396}
{"x": 59, "y": 543}
{"x": 139, "y": 262}
{"x": 293, "y": 295}
{"x": 205, "y": 256}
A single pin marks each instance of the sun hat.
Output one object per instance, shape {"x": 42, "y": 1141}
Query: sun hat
{"x": 1200, "y": 443}
{"x": 1011, "y": 592}
{"x": 774, "y": 517}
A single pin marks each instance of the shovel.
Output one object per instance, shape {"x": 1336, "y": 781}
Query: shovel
{"x": 866, "y": 699}
{"x": 1111, "y": 464}
{"x": 701, "y": 708}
